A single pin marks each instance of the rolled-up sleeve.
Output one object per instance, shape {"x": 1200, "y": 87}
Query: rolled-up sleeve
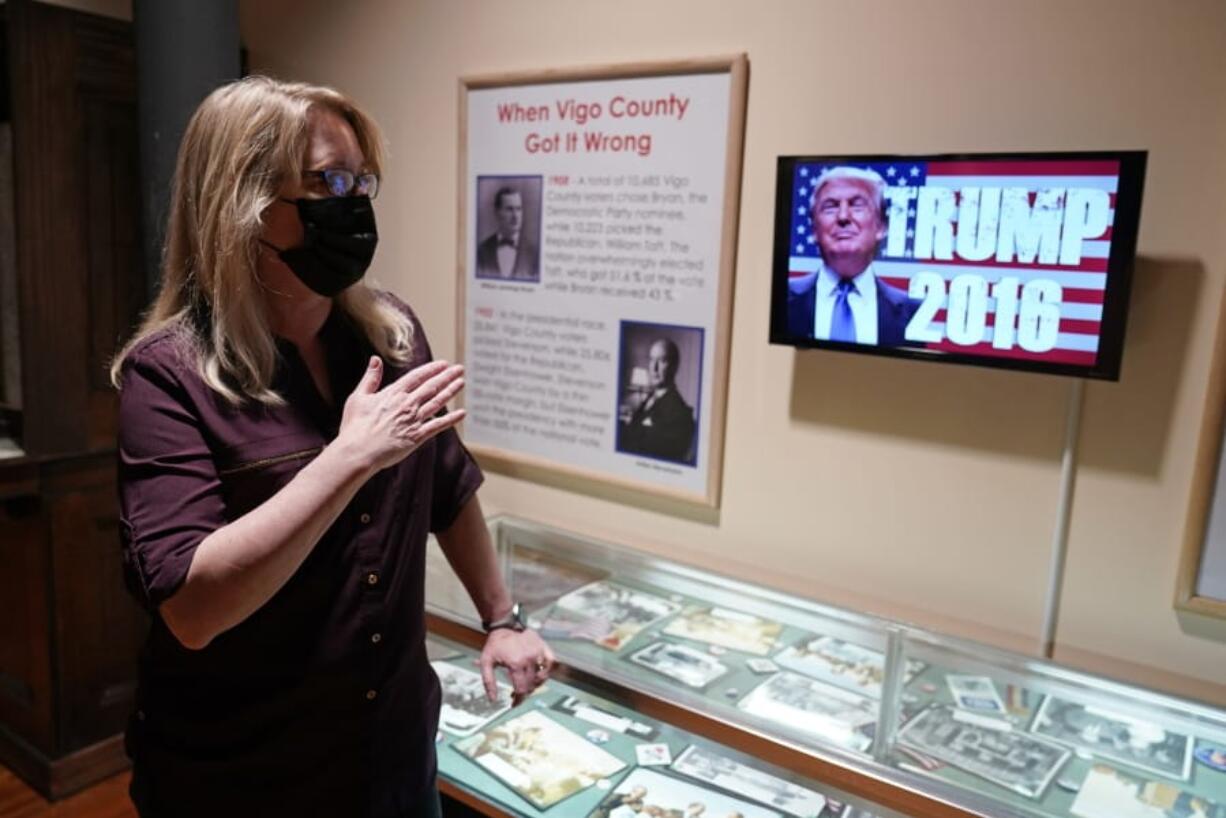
{"x": 456, "y": 478}
{"x": 169, "y": 492}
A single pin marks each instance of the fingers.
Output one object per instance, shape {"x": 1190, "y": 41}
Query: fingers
{"x": 416, "y": 377}
{"x": 522, "y": 680}
{"x": 522, "y": 675}
{"x": 429, "y": 389}
{"x": 527, "y": 659}
{"x": 544, "y": 664}
{"x": 436, "y": 425}
{"x": 372, "y": 377}
{"x": 432, "y": 406}
{"x": 487, "y": 676}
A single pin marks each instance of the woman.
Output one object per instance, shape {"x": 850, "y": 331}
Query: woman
{"x": 284, "y": 449}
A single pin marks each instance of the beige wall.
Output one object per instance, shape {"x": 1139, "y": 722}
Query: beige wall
{"x": 947, "y": 515}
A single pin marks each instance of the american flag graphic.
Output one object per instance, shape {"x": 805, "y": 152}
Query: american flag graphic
{"x": 1082, "y": 284}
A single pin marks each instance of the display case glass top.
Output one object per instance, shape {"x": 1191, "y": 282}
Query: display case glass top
{"x": 981, "y": 730}
{"x": 568, "y": 752}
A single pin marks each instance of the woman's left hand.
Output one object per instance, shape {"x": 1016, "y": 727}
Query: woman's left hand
{"x": 524, "y": 654}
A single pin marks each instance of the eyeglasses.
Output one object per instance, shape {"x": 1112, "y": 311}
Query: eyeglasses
{"x": 340, "y": 182}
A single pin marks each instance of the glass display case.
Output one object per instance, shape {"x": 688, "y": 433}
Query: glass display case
{"x": 569, "y": 752}
{"x": 911, "y": 720}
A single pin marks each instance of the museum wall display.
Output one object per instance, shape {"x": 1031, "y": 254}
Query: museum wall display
{"x": 927, "y": 494}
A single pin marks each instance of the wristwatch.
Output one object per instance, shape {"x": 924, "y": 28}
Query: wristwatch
{"x": 514, "y": 620}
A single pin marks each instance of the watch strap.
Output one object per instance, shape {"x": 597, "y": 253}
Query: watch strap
{"x": 512, "y": 621}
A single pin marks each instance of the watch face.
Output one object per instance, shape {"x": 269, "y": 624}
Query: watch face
{"x": 513, "y": 620}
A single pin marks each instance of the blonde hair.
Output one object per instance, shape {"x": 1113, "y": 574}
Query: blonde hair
{"x": 244, "y": 141}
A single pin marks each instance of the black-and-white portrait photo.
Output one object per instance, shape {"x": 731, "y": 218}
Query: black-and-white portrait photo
{"x": 660, "y": 370}
{"x": 509, "y": 228}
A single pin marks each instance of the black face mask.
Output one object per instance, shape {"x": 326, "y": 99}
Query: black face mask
{"x": 340, "y": 242}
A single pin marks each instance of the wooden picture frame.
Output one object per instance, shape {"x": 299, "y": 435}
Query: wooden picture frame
{"x": 610, "y": 478}
{"x": 1206, "y": 500}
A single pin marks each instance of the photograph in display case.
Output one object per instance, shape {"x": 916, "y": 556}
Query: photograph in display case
{"x": 724, "y": 773}
{"x": 653, "y": 755}
{"x": 609, "y": 615}
{"x": 845, "y": 664}
{"x": 1110, "y": 793}
{"x": 727, "y": 629}
{"x": 975, "y": 693}
{"x": 604, "y": 718}
{"x": 1015, "y": 760}
{"x": 538, "y": 758}
{"x": 538, "y": 579}
{"x": 691, "y": 667}
{"x": 465, "y": 707}
{"x": 650, "y": 793}
{"x": 1115, "y": 737}
{"x": 814, "y": 708}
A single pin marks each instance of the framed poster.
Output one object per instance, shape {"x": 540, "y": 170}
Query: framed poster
{"x": 1201, "y": 584}
{"x": 596, "y": 246}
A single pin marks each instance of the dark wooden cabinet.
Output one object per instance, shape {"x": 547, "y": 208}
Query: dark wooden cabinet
{"x": 69, "y": 633}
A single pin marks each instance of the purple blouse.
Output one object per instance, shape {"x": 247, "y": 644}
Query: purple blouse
{"x": 322, "y": 702}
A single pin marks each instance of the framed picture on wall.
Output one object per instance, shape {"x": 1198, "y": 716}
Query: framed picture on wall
{"x": 1201, "y": 584}
{"x": 596, "y": 244}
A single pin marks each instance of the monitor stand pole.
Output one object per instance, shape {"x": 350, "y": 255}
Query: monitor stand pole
{"x": 1064, "y": 513}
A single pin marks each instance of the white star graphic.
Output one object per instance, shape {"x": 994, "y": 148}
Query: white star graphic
{"x": 890, "y": 171}
{"x": 804, "y": 171}
{"x": 800, "y": 211}
{"x": 800, "y": 248}
{"x": 800, "y": 231}
{"x": 914, "y": 171}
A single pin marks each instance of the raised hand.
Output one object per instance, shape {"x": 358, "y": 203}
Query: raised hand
{"x": 382, "y": 427}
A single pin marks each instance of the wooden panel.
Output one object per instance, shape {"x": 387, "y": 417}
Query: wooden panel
{"x": 70, "y": 635}
{"x": 75, "y": 155}
{"x": 116, "y": 283}
{"x": 106, "y": 97}
{"x": 98, "y": 627}
{"x": 25, "y": 664}
{"x": 105, "y": 56}
{"x": 51, "y": 265}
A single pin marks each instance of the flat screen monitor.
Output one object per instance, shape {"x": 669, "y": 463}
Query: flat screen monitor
{"x": 1019, "y": 260}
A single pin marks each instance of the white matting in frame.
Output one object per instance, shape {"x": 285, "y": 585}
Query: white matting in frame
{"x": 596, "y": 247}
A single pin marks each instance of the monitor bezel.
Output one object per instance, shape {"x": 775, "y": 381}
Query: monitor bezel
{"x": 1120, "y": 263}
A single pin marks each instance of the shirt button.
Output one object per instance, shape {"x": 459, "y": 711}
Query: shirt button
{"x": 365, "y": 518}
{"x": 376, "y": 638}
{"x": 370, "y": 695}
{"x": 372, "y": 579}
